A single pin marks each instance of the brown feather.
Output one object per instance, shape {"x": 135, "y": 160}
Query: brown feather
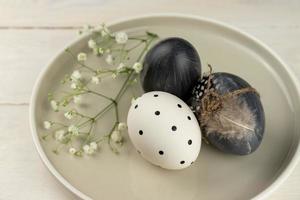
{"x": 235, "y": 119}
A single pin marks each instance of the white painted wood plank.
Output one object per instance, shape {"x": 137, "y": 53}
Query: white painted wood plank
{"x": 74, "y": 13}
{"x": 23, "y": 55}
{"x": 22, "y": 173}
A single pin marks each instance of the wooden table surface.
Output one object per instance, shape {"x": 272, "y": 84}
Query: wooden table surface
{"x": 33, "y": 31}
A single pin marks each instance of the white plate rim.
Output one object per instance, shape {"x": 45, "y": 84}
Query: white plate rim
{"x": 271, "y": 188}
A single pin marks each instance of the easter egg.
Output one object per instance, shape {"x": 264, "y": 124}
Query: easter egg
{"x": 230, "y": 113}
{"x": 172, "y": 66}
{"x": 164, "y": 130}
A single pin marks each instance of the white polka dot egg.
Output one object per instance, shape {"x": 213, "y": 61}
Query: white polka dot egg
{"x": 164, "y": 130}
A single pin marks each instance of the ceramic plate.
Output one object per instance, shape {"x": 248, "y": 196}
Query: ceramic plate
{"x": 214, "y": 175}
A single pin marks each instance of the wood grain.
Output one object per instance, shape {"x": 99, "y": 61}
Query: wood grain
{"x": 34, "y": 31}
{"x": 22, "y": 173}
{"x": 79, "y": 12}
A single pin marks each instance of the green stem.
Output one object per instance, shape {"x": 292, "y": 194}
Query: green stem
{"x": 101, "y": 95}
{"x": 82, "y": 115}
{"x": 108, "y": 107}
{"x": 91, "y": 121}
{"x": 89, "y": 133}
{"x": 80, "y": 63}
{"x": 58, "y": 123}
{"x": 135, "y": 46}
{"x": 125, "y": 85}
{"x": 137, "y": 38}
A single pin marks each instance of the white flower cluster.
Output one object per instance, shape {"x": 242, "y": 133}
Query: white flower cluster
{"x": 76, "y": 76}
{"x": 92, "y": 44}
{"x": 47, "y": 124}
{"x": 96, "y": 80}
{"x": 81, "y": 57}
{"x": 60, "y": 135}
{"x": 116, "y": 135}
{"x": 115, "y": 49}
{"x": 72, "y": 150}
{"x": 91, "y": 148}
{"x": 73, "y": 129}
{"x": 54, "y": 104}
{"x": 77, "y": 99}
{"x": 70, "y": 114}
{"x": 121, "y": 37}
{"x": 138, "y": 67}
{"x": 109, "y": 59}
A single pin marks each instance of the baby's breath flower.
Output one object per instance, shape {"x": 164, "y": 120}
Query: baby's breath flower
{"x": 70, "y": 114}
{"x": 100, "y": 51}
{"x": 73, "y": 129}
{"x": 54, "y": 105}
{"x": 121, "y": 37}
{"x": 72, "y": 150}
{"x": 104, "y": 31}
{"x": 115, "y": 52}
{"x": 47, "y": 124}
{"x": 85, "y": 148}
{"x": 114, "y": 75}
{"x": 60, "y": 135}
{"x": 88, "y": 150}
{"x": 73, "y": 86}
{"x": 109, "y": 59}
{"x": 92, "y": 44}
{"x": 95, "y": 80}
{"x": 116, "y": 136}
{"x": 137, "y": 67}
{"x": 94, "y": 145}
{"x": 81, "y": 56}
{"x": 133, "y": 100}
{"x": 91, "y": 151}
{"x": 77, "y": 99}
{"x": 76, "y": 75}
{"x": 122, "y": 126}
{"x": 120, "y": 67}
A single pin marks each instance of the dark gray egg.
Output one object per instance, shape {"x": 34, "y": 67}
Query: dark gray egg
{"x": 230, "y": 113}
{"x": 172, "y": 66}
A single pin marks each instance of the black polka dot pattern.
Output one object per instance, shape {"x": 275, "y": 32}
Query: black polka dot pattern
{"x": 174, "y": 128}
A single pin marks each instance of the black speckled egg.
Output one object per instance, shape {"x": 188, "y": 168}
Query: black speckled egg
{"x": 172, "y": 66}
{"x": 237, "y": 124}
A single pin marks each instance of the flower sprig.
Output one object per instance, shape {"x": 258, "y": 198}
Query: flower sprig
{"x": 78, "y": 135}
